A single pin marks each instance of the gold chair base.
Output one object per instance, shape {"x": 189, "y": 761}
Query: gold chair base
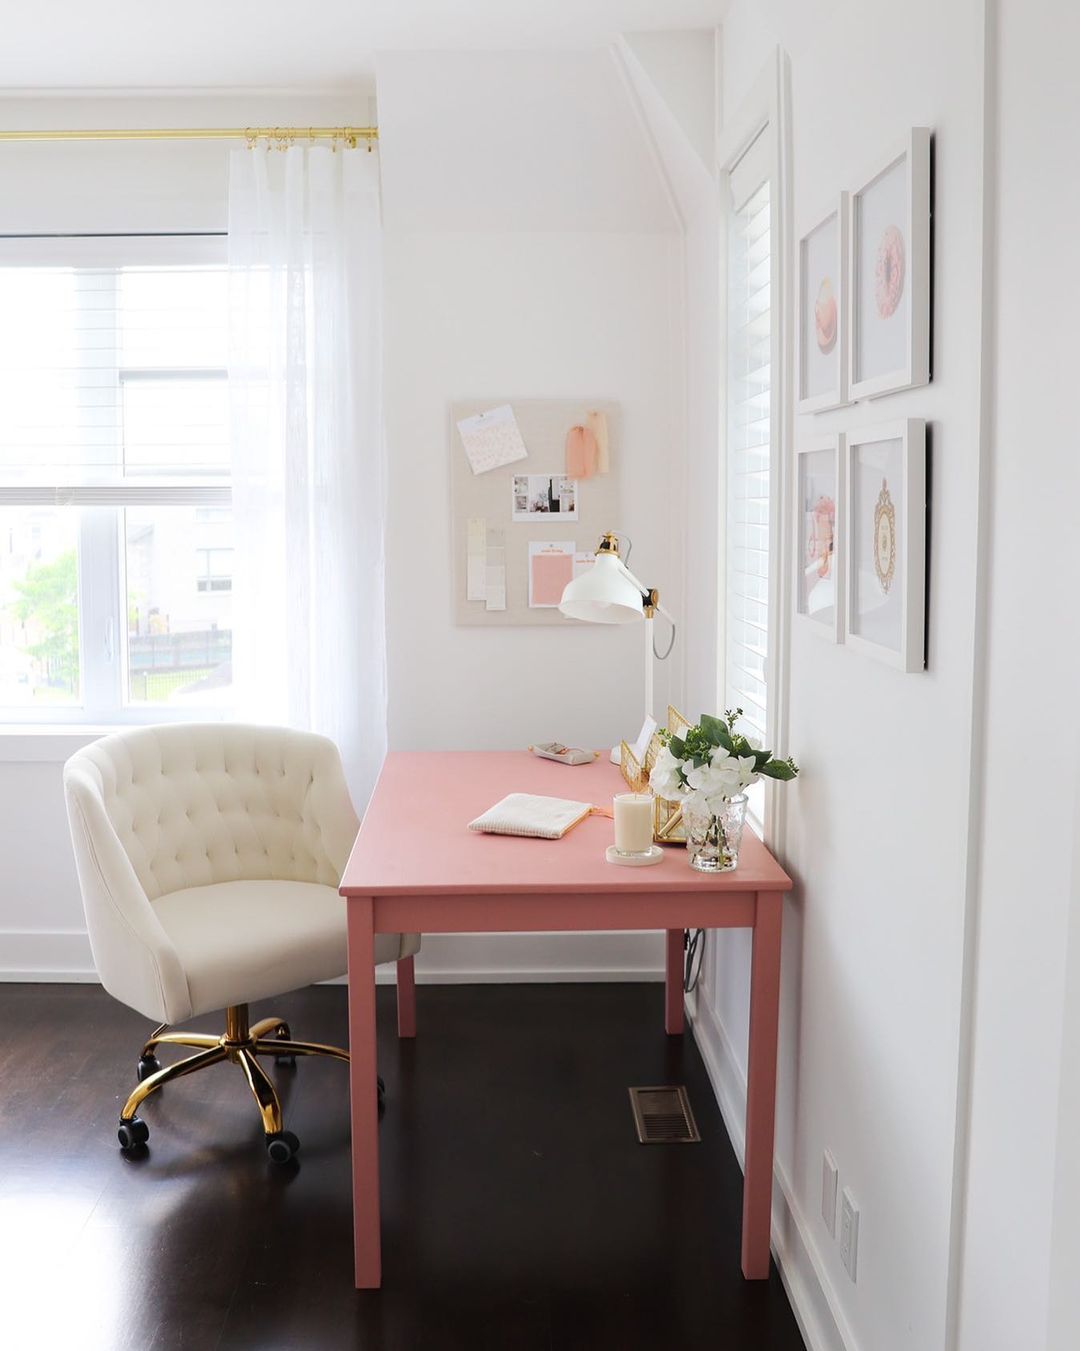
{"x": 240, "y": 1043}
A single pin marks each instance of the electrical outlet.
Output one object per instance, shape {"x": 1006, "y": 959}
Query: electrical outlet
{"x": 829, "y": 1179}
{"x": 849, "y": 1234}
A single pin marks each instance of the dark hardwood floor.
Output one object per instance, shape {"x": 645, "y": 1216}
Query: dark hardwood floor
{"x": 519, "y": 1211}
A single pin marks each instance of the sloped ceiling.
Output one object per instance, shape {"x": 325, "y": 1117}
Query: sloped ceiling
{"x": 673, "y": 78}
{"x": 531, "y": 141}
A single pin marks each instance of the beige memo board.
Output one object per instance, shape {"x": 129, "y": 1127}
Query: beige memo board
{"x": 543, "y": 424}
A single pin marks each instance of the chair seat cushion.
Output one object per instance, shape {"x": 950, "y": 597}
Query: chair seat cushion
{"x": 242, "y": 941}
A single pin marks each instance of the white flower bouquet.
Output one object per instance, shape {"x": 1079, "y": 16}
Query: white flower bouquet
{"x": 708, "y": 770}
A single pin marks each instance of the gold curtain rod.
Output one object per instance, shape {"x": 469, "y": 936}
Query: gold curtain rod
{"x": 349, "y": 136}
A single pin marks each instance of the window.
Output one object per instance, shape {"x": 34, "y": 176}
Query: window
{"x": 115, "y": 525}
{"x": 214, "y": 569}
{"x": 748, "y": 442}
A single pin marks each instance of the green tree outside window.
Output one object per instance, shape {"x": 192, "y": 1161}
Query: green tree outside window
{"x": 49, "y": 604}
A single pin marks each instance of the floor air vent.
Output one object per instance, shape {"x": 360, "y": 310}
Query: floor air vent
{"x": 662, "y": 1116}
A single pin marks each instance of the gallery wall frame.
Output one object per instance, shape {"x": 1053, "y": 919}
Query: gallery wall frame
{"x": 819, "y": 552}
{"x": 821, "y": 360}
{"x": 889, "y": 273}
{"x": 885, "y": 542}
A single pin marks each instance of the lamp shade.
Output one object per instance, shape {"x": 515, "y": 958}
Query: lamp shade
{"x": 605, "y": 594}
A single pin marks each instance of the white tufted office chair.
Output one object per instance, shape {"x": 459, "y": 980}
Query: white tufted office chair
{"x": 209, "y": 859}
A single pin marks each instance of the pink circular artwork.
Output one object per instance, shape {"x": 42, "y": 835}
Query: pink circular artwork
{"x": 825, "y": 317}
{"x": 890, "y": 272}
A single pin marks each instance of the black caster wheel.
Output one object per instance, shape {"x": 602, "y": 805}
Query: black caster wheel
{"x": 132, "y": 1133}
{"x": 283, "y": 1034}
{"x": 148, "y": 1064}
{"x": 282, "y": 1147}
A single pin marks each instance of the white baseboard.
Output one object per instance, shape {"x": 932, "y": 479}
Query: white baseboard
{"x": 445, "y": 959}
{"x": 802, "y": 1270}
{"x": 46, "y": 956}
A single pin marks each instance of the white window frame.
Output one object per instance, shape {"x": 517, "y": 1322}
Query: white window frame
{"x": 765, "y": 112}
{"x": 102, "y": 606}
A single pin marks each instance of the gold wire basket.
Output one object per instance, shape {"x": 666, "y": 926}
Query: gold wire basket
{"x": 668, "y": 825}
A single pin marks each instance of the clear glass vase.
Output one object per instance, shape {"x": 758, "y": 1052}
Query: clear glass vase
{"x": 713, "y": 836}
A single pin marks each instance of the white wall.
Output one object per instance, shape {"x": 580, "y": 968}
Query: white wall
{"x": 931, "y": 1012}
{"x": 535, "y": 315}
{"x": 1020, "y": 1234}
{"x": 1064, "y": 1305}
{"x": 876, "y": 825}
{"x": 531, "y": 251}
{"x": 480, "y": 302}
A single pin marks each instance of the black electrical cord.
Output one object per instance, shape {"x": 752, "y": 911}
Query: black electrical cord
{"x": 694, "y": 947}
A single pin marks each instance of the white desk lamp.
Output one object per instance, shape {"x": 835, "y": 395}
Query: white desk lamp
{"x": 609, "y": 593}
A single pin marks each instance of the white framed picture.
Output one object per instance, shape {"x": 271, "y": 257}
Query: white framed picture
{"x": 823, "y": 324}
{"x": 819, "y": 551}
{"x": 885, "y": 538}
{"x": 889, "y": 273}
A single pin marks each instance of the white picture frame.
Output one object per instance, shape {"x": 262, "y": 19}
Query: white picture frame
{"x": 819, "y": 580}
{"x": 822, "y": 355}
{"x": 885, "y": 542}
{"x": 889, "y": 273}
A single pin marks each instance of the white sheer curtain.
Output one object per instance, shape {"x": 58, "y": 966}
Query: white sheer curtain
{"x": 309, "y": 476}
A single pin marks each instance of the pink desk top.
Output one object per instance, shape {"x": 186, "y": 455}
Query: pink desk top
{"x": 415, "y": 840}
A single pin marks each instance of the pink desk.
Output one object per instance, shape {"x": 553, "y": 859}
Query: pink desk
{"x": 415, "y": 866}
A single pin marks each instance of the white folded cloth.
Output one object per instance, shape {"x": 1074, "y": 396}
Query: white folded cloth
{"x": 544, "y": 818}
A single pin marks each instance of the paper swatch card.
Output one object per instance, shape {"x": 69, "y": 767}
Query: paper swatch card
{"x": 495, "y": 584}
{"x": 551, "y": 566}
{"x": 491, "y": 439}
{"x": 476, "y": 559}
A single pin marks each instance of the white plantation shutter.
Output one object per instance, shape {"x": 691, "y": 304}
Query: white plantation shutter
{"x": 749, "y": 380}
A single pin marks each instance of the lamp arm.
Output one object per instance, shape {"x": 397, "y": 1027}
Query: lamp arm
{"x": 648, "y": 599}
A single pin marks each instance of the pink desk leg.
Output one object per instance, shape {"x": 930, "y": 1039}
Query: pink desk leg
{"x": 673, "y": 984}
{"x": 761, "y": 1086}
{"x": 406, "y": 997}
{"x": 364, "y": 1094}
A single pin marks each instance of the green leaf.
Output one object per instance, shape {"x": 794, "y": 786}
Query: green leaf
{"x": 780, "y": 769}
{"x": 716, "y": 730}
{"x": 677, "y": 747}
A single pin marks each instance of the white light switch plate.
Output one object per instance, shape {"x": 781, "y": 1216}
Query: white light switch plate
{"x": 829, "y": 1178}
{"x": 849, "y": 1234}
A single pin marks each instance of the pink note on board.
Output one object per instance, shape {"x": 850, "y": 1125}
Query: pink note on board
{"x": 549, "y": 572}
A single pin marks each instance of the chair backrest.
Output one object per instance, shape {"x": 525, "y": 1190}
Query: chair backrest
{"x": 220, "y": 802}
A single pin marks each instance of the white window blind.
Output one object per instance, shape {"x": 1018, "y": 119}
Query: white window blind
{"x": 115, "y": 523}
{"x": 112, "y": 366}
{"x": 749, "y": 348}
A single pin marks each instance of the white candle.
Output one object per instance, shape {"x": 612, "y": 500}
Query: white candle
{"x": 633, "y": 822}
